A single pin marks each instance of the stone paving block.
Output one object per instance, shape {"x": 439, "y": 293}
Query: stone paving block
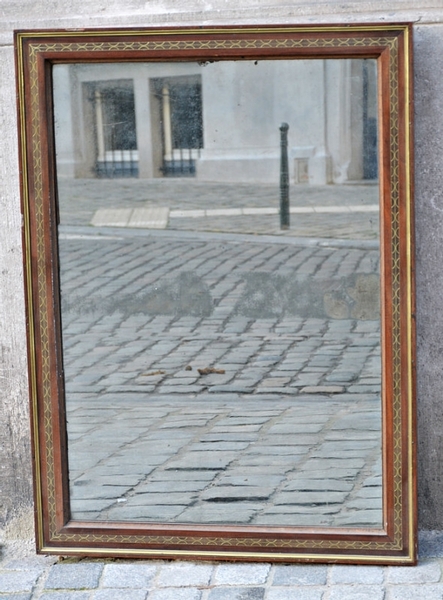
{"x": 148, "y": 513}
{"x": 128, "y": 576}
{"x": 65, "y": 596}
{"x": 16, "y": 597}
{"x": 295, "y": 593}
{"x": 18, "y": 581}
{"x": 325, "y": 485}
{"x": 231, "y": 593}
{"x": 357, "y": 592}
{"x": 356, "y": 574}
{"x": 234, "y": 478}
{"x": 171, "y": 486}
{"x": 310, "y": 498}
{"x": 184, "y": 476}
{"x": 241, "y": 574}
{"x": 74, "y": 576}
{"x": 415, "y": 592}
{"x": 120, "y": 594}
{"x": 221, "y": 512}
{"x": 202, "y": 460}
{"x": 237, "y": 493}
{"x": 323, "y": 389}
{"x": 425, "y": 572}
{"x": 370, "y": 491}
{"x": 328, "y": 473}
{"x": 175, "y": 594}
{"x": 363, "y": 518}
{"x": 183, "y": 575}
{"x": 335, "y": 463}
{"x": 367, "y": 503}
{"x": 300, "y": 575}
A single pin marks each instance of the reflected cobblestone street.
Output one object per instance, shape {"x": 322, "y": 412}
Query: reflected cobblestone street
{"x": 223, "y": 377}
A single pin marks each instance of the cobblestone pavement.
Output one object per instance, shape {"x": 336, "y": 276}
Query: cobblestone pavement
{"x": 26, "y": 577}
{"x": 80, "y": 198}
{"x": 212, "y": 358}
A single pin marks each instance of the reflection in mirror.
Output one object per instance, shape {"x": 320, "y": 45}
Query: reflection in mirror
{"x": 221, "y": 366}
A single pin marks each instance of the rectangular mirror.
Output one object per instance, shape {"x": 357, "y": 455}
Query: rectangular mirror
{"x": 218, "y": 257}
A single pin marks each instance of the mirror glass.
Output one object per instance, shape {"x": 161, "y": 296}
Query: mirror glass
{"x": 220, "y": 291}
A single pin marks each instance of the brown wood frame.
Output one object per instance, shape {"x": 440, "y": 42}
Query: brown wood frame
{"x": 390, "y": 44}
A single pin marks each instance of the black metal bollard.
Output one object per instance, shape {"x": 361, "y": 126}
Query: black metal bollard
{"x": 284, "y": 177}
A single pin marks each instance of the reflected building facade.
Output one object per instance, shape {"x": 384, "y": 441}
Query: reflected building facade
{"x": 218, "y": 121}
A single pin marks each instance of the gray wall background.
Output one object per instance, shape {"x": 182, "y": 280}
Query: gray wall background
{"x": 15, "y": 448}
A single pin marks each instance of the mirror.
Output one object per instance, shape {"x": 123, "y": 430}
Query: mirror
{"x": 219, "y": 236}
{"x": 246, "y": 365}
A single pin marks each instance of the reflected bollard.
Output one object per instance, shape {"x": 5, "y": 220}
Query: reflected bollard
{"x": 284, "y": 177}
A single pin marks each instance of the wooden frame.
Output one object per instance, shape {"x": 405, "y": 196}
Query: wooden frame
{"x": 390, "y": 44}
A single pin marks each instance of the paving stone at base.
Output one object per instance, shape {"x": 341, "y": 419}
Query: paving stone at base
{"x": 65, "y": 596}
{"x": 120, "y": 594}
{"x": 128, "y": 575}
{"x": 175, "y": 594}
{"x": 18, "y": 581}
{"x": 415, "y": 592}
{"x": 357, "y": 592}
{"x": 356, "y": 574}
{"x": 295, "y": 593}
{"x": 181, "y": 575}
{"x": 74, "y": 576}
{"x": 300, "y": 575}
{"x": 425, "y": 572}
{"x": 237, "y": 593}
{"x": 241, "y": 574}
